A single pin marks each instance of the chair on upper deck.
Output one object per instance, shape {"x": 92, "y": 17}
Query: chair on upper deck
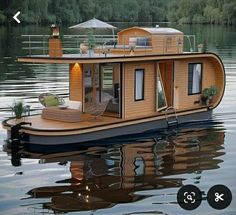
{"x": 83, "y": 48}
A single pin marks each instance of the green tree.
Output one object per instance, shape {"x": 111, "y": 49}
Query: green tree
{"x": 71, "y": 11}
{"x": 158, "y": 10}
{"x": 172, "y": 14}
{"x": 144, "y": 14}
{"x": 105, "y": 10}
{"x": 87, "y": 8}
{"x": 130, "y": 12}
{"x": 229, "y": 13}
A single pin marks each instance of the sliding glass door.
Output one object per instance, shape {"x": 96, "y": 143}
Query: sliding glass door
{"x": 102, "y": 83}
{"x": 110, "y": 89}
{"x": 91, "y": 83}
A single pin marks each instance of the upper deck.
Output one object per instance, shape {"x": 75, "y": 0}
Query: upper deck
{"x": 128, "y": 43}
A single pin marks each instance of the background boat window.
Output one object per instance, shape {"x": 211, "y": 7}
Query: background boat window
{"x": 139, "y": 85}
{"x": 194, "y": 78}
{"x": 107, "y": 78}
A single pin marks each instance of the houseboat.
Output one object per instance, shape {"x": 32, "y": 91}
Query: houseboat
{"x": 143, "y": 81}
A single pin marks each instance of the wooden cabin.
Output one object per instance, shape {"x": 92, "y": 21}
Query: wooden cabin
{"x": 141, "y": 85}
{"x": 137, "y": 40}
{"x": 145, "y": 87}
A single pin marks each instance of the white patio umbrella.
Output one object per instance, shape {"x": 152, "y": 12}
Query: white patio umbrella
{"x": 94, "y": 24}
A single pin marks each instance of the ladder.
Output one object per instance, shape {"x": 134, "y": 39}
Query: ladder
{"x": 174, "y": 122}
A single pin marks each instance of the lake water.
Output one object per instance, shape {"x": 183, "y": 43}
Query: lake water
{"x": 134, "y": 177}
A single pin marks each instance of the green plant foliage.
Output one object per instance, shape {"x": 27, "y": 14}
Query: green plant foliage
{"x": 208, "y": 93}
{"x": 91, "y": 40}
{"x": 213, "y": 90}
{"x": 75, "y": 11}
{"x": 2, "y": 17}
{"x": 18, "y": 109}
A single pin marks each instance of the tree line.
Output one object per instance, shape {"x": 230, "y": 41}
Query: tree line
{"x": 74, "y": 11}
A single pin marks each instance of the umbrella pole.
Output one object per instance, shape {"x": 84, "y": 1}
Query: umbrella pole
{"x": 113, "y": 34}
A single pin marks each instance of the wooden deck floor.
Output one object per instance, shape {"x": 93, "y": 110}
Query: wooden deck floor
{"x": 87, "y": 121}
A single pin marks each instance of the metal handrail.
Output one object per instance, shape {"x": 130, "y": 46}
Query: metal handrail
{"x": 167, "y": 116}
{"x": 71, "y": 43}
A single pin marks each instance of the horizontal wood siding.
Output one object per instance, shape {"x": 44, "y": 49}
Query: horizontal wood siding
{"x": 116, "y": 73}
{"x": 158, "y": 44}
{"x": 134, "y": 108}
{"x": 211, "y": 75}
{"x": 76, "y": 82}
{"x": 172, "y": 44}
{"x": 219, "y": 79}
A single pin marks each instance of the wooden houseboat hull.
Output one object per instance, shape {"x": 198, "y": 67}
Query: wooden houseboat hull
{"x": 42, "y": 139}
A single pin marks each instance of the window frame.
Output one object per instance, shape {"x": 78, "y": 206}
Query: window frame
{"x": 135, "y": 85}
{"x": 200, "y": 87}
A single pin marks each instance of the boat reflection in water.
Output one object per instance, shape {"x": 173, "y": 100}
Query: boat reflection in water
{"x": 102, "y": 177}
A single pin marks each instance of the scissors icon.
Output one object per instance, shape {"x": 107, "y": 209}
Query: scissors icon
{"x": 219, "y": 197}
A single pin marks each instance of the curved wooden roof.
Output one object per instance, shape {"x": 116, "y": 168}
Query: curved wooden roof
{"x": 153, "y": 30}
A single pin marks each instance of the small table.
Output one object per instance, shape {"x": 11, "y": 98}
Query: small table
{"x": 61, "y": 114}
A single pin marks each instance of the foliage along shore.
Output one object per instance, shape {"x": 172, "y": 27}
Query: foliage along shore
{"x": 220, "y": 12}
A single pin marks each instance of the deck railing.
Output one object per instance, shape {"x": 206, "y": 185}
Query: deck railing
{"x": 35, "y": 44}
{"x": 38, "y": 44}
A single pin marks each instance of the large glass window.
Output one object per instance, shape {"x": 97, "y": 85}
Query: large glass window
{"x": 139, "y": 85}
{"x": 194, "y": 78}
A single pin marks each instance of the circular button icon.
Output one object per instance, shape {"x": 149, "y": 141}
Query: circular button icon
{"x": 219, "y": 197}
{"x": 189, "y": 197}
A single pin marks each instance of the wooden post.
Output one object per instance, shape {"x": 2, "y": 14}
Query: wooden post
{"x": 55, "y": 47}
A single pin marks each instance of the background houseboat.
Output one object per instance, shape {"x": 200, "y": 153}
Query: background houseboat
{"x": 145, "y": 80}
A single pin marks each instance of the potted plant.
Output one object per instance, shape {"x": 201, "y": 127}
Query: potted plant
{"x": 200, "y": 47}
{"x": 213, "y": 91}
{"x": 208, "y": 93}
{"x": 18, "y": 109}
